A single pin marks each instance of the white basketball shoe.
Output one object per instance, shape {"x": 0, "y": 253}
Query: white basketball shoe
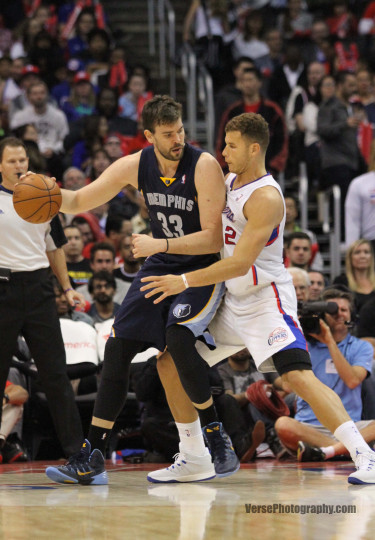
{"x": 365, "y": 465}
{"x": 186, "y": 468}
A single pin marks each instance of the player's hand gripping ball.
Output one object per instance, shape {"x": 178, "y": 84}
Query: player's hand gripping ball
{"x": 37, "y": 198}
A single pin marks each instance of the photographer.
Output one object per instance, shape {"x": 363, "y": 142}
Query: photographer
{"x": 342, "y": 362}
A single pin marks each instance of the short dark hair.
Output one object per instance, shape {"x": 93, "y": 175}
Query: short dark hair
{"x": 113, "y": 223}
{"x": 105, "y": 246}
{"x": 298, "y": 235}
{"x": 102, "y": 275}
{"x": 243, "y": 59}
{"x": 253, "y": 126}
{"x": 341, "y": 76}
{"x": 254, "y": 71}
{"x": 12, "y": 142}
{"x": 160, "y": 111}
{"x": 331, "y": 292}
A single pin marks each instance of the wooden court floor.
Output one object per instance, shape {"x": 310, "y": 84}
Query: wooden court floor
{"x": 265, "y": 500}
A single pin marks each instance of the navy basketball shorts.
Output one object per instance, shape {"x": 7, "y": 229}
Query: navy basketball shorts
{"x": 140, "y": 319}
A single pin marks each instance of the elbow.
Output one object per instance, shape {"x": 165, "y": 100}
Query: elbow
{"x": 353, "y": 383}
{"x": 242, "y": 268}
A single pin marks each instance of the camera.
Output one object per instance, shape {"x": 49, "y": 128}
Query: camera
{"x": 309, "y": 314}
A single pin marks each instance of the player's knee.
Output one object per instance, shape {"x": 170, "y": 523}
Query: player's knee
{"x": 283, "y": 425}
{"x": 180, "y": 341}
{"x": 166, "y": 366}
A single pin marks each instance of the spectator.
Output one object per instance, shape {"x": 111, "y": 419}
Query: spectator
{"x": 291, "y": 226}
{"x": 6, "y": 38}
{"x": 250, "y": 41}
{"x": 296, "y": 22}
{"x": 131, "y": 102}
{"x": 365, "y": 94}
{"x": 231, "y": 93}
{"x": 84, "y": 24}
{"x": 343, "y": 24}
{"x": 274, "y": 58}
{"x": 88, "y": 224}
{"x": 11, "y": 449}
{"x": 298, "y": 98}
{"x": 79, "y": 269}
{"x": 94, "y": 133}
{"x": 102, "y": 257}
{"x": 130, "y": 265}
{"x": 64, "y": 309}
{"x": 50, "y": 124}
{"x": 342, "y": 362}
{"x": 46, "y": 54}
{"x": 252, "y": 101}
{"x": 73, "y": 179}
{"x": 237, "y": 374}
{"x": 211, "y": 26}
{"x": 29, "y": 75}
{"x": 61, "y": 91}
{"x": 317, "y": 285}
{"x": 107, "y": 106}
{"x": 99, "y": 162}
{"x": 326, "y": 89}
{"x": 96, "y": 57}
{"x": 301, "y": 282}
{"x": 9, "y": 89}
{"x": 113, "y": 146}
{"x": 118, "y": 72}
{"x": 287, "y": 76}
{"x": 359, "y": 206}
{"x": 102, "y": 288}
{"x": 24, "y": 37}
{"x": 337, "y": 129}
{"x": 116, "y": 228}
{"x": 29, "y": 135}
{"x": 314, "y": 48}
{"x": 81, "y": 101}
{"x": 298, "y": 250}
{"x": 360, "y": 273}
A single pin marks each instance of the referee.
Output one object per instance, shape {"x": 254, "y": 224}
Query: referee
{"x": 27, "y": 299}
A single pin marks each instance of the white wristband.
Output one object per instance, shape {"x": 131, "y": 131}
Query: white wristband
{"x": 185, "y": 281}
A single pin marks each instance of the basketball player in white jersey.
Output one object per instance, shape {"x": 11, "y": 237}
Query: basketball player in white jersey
{"x": 259, "y": 310}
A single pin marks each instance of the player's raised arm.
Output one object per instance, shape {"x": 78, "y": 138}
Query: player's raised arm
{"x": 263, "y": 211}
{"x": 121, "y": 173}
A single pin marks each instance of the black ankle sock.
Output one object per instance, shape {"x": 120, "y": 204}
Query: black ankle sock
{"x": 206, "y": 416}
{"x": 98, "y": 438}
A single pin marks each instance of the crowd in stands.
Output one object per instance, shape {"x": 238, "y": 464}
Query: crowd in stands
{"x": 73, "y": 96}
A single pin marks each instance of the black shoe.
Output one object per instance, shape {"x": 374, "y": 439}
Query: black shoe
{"x": 280, "y": 452}
{"x": 13, "y": 451}
{"x": 85, "y": 468}
{"x": 223, "y": 455}
{"x": 307, "y": 452}
{"x": 251, "y": 442}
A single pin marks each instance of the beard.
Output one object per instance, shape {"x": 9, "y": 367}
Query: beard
{"x": 172, "y": 157}
{"x": 103, "y": 298}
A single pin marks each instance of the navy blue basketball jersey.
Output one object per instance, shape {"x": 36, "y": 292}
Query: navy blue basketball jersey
{"x": 172, "y": 202}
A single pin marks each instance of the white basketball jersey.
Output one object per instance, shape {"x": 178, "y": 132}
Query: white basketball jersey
{"x": 268, "y": 267}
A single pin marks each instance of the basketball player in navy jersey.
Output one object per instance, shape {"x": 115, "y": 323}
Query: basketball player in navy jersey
{"x": 259, "y": 309}
{"x": 185, "y": 194}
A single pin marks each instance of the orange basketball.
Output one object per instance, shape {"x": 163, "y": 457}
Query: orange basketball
{"x": 37, "y": 198}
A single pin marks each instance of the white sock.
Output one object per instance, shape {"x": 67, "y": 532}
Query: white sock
{"x": 351, "y": 438}
{"x": 191, "y": 438}
{"x": 328, "y": 451}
